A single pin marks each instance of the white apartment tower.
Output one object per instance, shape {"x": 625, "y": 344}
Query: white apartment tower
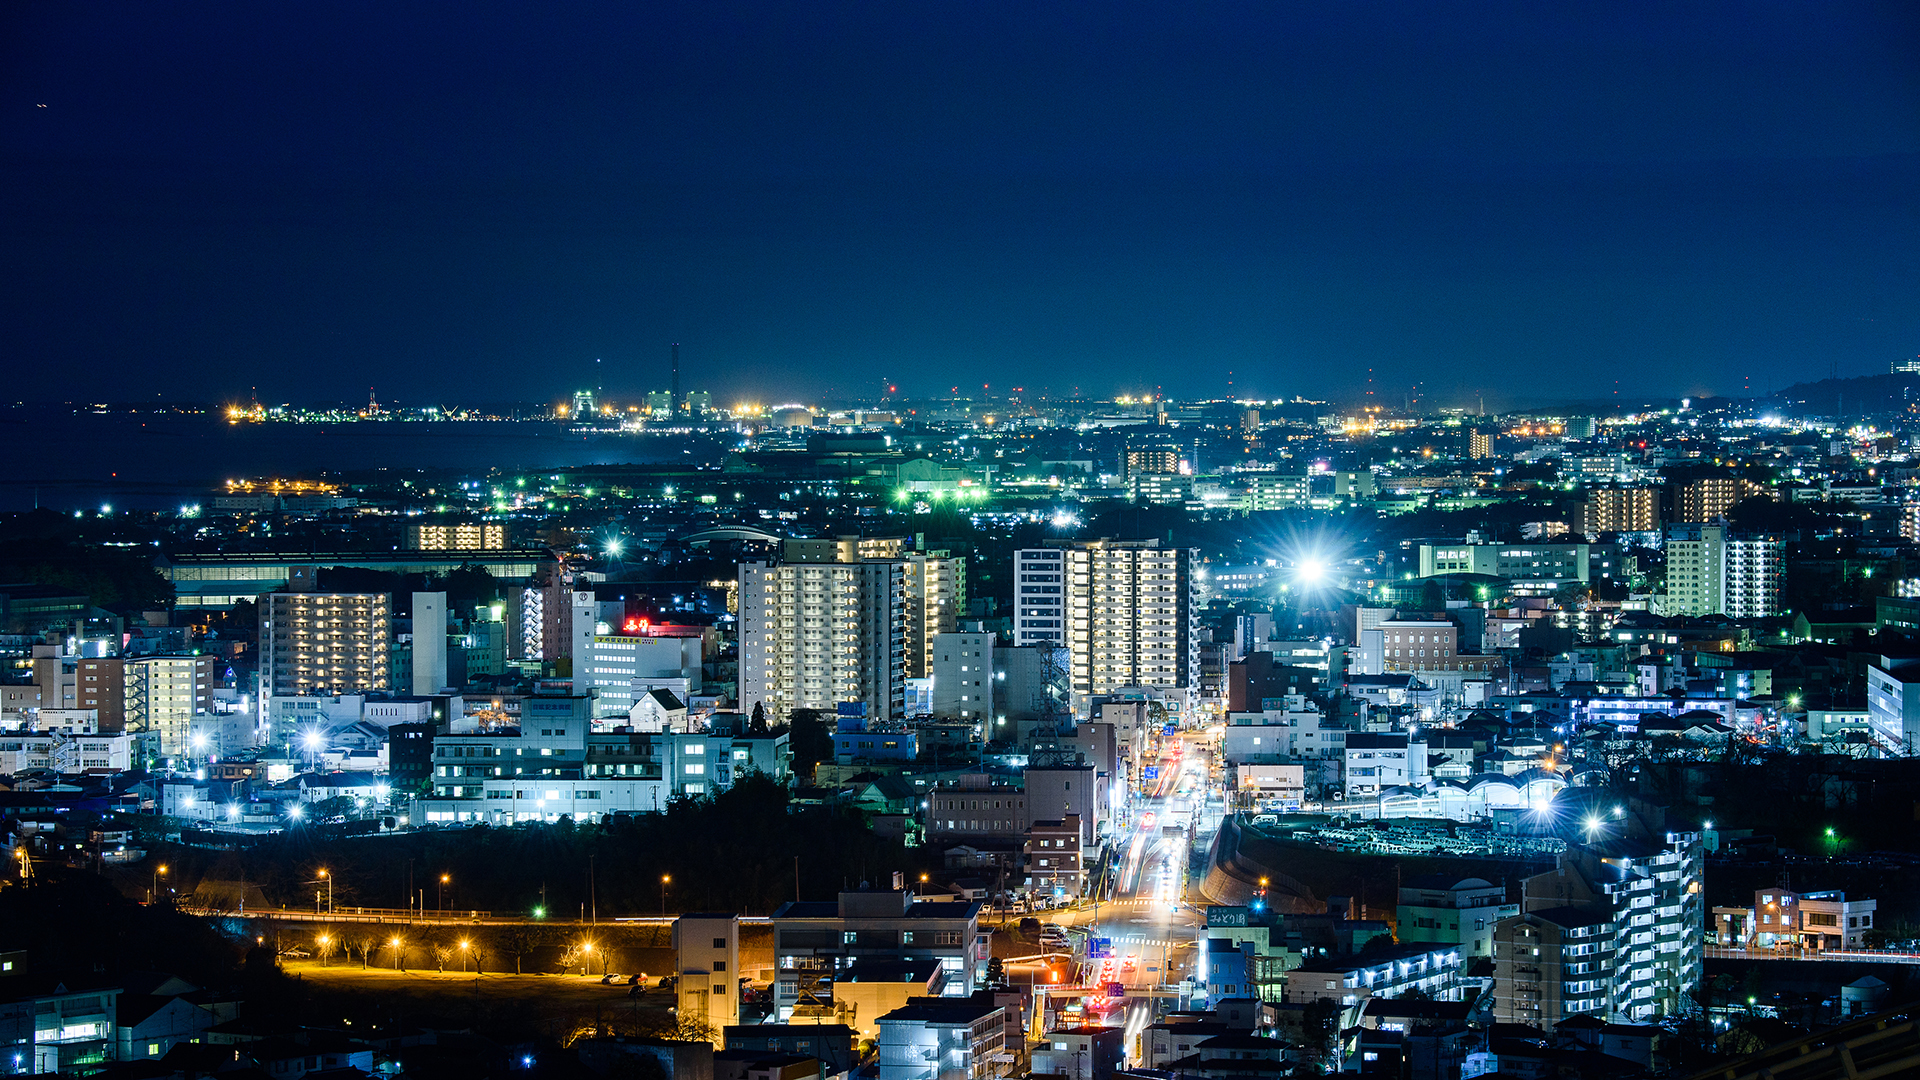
{"x": 814, "y": 635}
{"x": 1710, "y": 572}
{"x": 1039, "y": 598}
{"x": 165, "y": 693}
{"x": 1126, "y": 612}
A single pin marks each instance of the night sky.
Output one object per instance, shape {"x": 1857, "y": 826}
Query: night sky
{"x": 472, "y": 201}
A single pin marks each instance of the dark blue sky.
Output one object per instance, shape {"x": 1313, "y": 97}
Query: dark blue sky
{"x": 472, "y": 201}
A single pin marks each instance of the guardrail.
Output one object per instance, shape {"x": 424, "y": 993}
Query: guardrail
{"x": 1885, "y": 956}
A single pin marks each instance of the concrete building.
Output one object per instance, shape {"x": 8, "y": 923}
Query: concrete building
{"x": 938, "y": 1040}
{"x": 618, "y": 669}
{"x": 1815, "y": 921}
{"x": 429, "y": 643}
{"x": 1712, "y": 572}
{"x": 1129, "y": 618}
{"x": 1532, "y": 568}
{"x": 456, "y": 536}
{"x": 1445, "y": 910}
{"x": 1378, "y": 761}
{"x": 1415, "y": 645}
{"x": 1553, "y": 963}
{"x": 1617, "y": 510}
{"x": 1053, "y": 861}
{"x": 165, "y": 693}
{"x": 707, "y": 961}
{"x": 814, "y": 940}
{"x": 1039, "y": 600}
{"x": 1646, "y": 895}
{"x": 1709, "y": 498}
{"x": 963, "y": 676}
{"x": 315, "y": 643}
{"x": 100, "y": 684}
{"x": 813, "y": 635}
{"x": 1893, "y": 703}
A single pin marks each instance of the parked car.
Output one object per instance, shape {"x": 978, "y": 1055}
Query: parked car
{"x": 1030, "y": 923}
{"x": 668, "y": 982}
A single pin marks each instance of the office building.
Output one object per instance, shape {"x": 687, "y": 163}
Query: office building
{"x": 1617, "y": 510}
{"x": 618, "y": 669}
{"x": 1277, "y": 491}
{"x": 1426, "y": 646}
{"x": 1448, "y": 910}
{"x": 1533, "y": 569}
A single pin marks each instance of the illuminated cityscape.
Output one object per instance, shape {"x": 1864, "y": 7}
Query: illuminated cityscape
{"x": 1121, "y": 542}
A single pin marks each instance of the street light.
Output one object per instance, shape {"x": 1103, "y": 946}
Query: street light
{"x": 322, "y": 941}
{"x": 158, "y": 873}
{"x": 665, "y": 880}
{"x": 393, "y": 944}
{"x": 441, "y": 893}
{"x": 464, "y": 944}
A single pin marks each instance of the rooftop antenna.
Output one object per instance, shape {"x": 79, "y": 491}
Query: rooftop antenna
{"x": 673, "y": 406}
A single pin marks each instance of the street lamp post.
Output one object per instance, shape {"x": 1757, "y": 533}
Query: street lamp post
{"x": 665, "y": 880}
{"x": 394, "y": 945}
{"x": 328, "y": 879}
{"x": 158, "y": 873}
{"x": 440, "y": 897}
{"x": 322, "y": 941}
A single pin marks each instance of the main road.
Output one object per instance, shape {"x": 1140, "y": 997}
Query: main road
{"x": 1144, "y": 909}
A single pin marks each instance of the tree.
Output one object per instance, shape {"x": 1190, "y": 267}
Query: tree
{"x": 757, "y": 723}
{"x": 520, "y": 940}
{"x": 809, "y": 740}
{"x": 365, "y": 939}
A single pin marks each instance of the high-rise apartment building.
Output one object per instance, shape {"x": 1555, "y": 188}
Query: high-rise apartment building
{"x": 936, "y": 590}
{"x": 1617, "y": 509}
{"x": 164, "y": 693}
{"x": 936, "y": 585}
{"x": 1614, "y": 930}
{"x": 319, "y": 643}
{"x": 1708, "y": 498}
{"x": 1479, "y": 445}
{"x": 1039, "y": 596}
{"x": 1713, "y": 572}
{"x": 457, "y": 536}
{"x": 815, "y": 635}
{"x": 1150, "y": 460}
{"x": 1126, "y": 612}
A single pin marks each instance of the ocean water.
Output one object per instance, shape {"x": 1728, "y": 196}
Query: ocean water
{"x": 68, "y": 461}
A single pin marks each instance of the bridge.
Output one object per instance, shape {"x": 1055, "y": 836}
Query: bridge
{"x": 414, "y": 917}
